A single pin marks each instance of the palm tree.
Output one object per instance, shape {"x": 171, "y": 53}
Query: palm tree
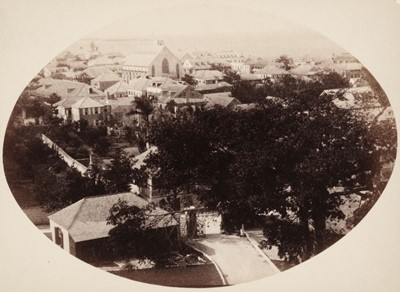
{"x": 144, "y": 106}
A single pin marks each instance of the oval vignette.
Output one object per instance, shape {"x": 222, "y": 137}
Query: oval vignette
{"x": 170, "y": 160}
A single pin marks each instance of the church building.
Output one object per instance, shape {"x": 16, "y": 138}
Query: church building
{"x": 155, "y": 61}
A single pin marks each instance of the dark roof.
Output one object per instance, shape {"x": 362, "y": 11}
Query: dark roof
{"x": 87, "y": 218}
{"x": 224, "y": 101}
{"x": 66, "y": 88}
{"x": 221, "y": 84}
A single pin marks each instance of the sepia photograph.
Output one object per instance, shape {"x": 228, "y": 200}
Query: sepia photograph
{"x": 197, "y": 145}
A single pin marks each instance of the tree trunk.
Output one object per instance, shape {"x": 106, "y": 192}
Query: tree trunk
{"x": 319, "y": 210}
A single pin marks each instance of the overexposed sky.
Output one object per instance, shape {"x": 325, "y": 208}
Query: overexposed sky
{"x": 178, "y": 20}
{"x": 218, "y": 28}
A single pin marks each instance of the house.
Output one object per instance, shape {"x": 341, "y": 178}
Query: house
{"x": 214, "y": 87}
{"x": 171, "y": 91}
{"x": 349, "y": 70}
{"x": 94, "y": 112}
{"x": 205, "y": 77}
{"x": 221, "y": 99}
{"x": 77, "y": 108}
{"x": 119, "y": 89}
{"x": 343, "y": 58}
{"x": 360, "y": 99}
{"x": 82, "y": 230}
{"x": 211, "y": 81}
{"x": 122, "y": 109}
{"x": 201, "y": 60}
{"x": 251, "y": 78}
{"x": 191, "y": 65}
{"x": 155, "y": 60}
{"x": 229, "y": 57}
{"x": 247, "y": 106}
{"x": 102, "y": 61}
{"x": 306, "y": 70}
{"x": 138, "y": 86}
{"x": 96, "y": 71}
{"x": 105, "y": 80}
{"x": 54, "y": 67}
{"x": 271, "y": 71}
{"x": 252, "y": 64}
{"x": 65, "y": 88}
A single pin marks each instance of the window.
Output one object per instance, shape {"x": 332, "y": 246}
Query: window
{"x": 86, "y": 111}
{"x": 165, "y": 66}
{"x": 59, "y": 236}
{"x": 177, "y": 71}
{"x": 96, "y": 110}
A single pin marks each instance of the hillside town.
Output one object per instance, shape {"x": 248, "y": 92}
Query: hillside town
{"x": 177, "y": 160}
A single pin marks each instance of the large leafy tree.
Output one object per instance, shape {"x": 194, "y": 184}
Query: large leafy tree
{"x": 140, "y": 231}
{"x": 281, "y": 158}
{"x": 189, "y": 79}
{"x": 119, "y": 175}
{"x": 285, "y": 61}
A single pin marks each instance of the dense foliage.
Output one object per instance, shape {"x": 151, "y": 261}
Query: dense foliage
{"x": 281, "y": 158}
{"x": 135, "y": 231}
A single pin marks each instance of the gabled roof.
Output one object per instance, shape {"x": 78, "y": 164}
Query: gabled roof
{"x": 59, "y": 86}
{"x": 143, "y": 58}
{"x": 305, "y": 69}
{"x": 66, "y": 88}
{"x": 343, "y": 67}
{"x": 140, "y": 84}
{"x": 121, "y": 102}
{"x": 120, "y": 86}
{"x": 68, "y": 101}
{"x": 139, "y": 160}
{"x": 208, "y": 75}
{"x": 101, "y": 61}
{"x": 196, "y": 63}
{"x": 346, "y": 101}
{"x": 210, "y": 96}
{"x": 249, "y": 76}
{"x": 213, "y": 86}
{"x": 87, "y": 218}
{"x": 272, "y": 70}
{"x": 356, "y": 90}
{"x": 346, "y": 97}
{"x": 107, "y": 76}
{"x": 86, "y": 102}
{"x": 96, "y": 71}
{"x": 224, "y": 101}
{"x": 256, "y": 62}
{"x": 247, "y": 106}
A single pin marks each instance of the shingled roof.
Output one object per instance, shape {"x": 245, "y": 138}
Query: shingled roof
{"x": 87, "y": 218}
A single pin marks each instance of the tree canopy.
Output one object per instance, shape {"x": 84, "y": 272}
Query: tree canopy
{"x": 281, "y": 158}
